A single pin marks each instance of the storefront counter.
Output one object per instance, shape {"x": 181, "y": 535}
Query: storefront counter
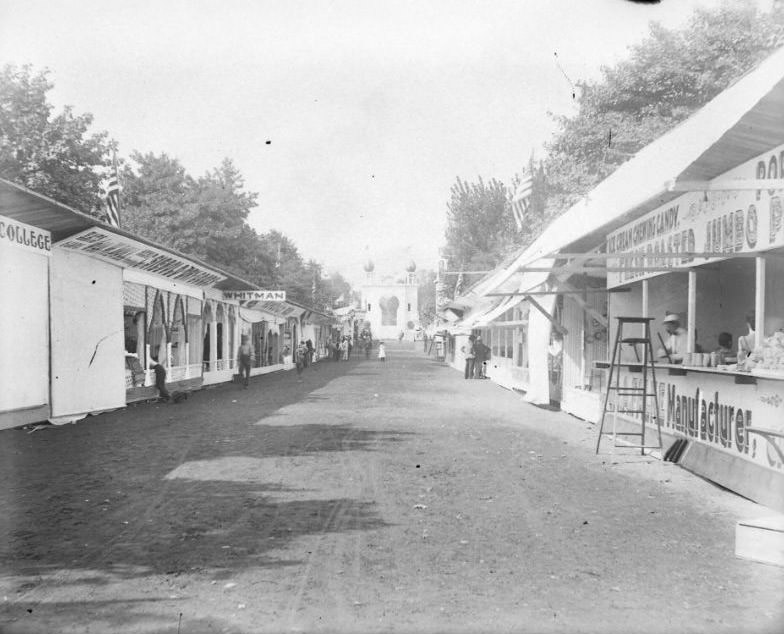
{"x": 740, "y": 376}
{"x": 734, "y": 421}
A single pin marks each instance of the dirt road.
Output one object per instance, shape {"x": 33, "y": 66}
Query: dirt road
{"x": 368, "y": 498}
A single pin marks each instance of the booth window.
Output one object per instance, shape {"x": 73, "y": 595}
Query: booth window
{"x": 219, "y": 328}
{"x": 157, "y": 332}
{"x": 194, "y": 327}
{"x": 232, "y": 344}
{"x": 207, "y": 321}
{"x": 179, "y": 336}
{"x": 134, "y": 320}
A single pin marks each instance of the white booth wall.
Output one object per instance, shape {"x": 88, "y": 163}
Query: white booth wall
{"x": 88, "y": 351}
{"x": 24, "y": 319}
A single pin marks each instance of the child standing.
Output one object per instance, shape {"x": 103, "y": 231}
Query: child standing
{"x": 382, "y": 352}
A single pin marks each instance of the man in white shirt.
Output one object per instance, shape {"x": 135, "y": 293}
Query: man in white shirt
{"x": 676, "y": 341}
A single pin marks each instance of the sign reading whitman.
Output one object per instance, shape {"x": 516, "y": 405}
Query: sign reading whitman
{"x": 132, "y": 254}
{"x": 256, "y": 296}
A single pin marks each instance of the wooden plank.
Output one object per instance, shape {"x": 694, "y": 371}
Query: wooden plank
{"x": 726, "y": 185}
{"x": 602, "y": 269}
{"x": 550, "y": 318}
{"x": 584, "y": 305}
{"x": 761, "y": 540}
{"x": 588, "y": 290}
{"x": 668, "y": 256}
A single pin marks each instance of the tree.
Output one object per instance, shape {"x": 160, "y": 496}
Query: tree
{"x": 666, "y": 77}
{"x": 426, "y": 296}
{"x": 52, "y": 154}
{"x": 479, "y": 225}
{"x": 202, "y": 217}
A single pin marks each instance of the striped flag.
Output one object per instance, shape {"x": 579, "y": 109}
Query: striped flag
{"x": 520, "y": 200}
{"x": 112, "y": 190}
{"x": 459, "y": 285}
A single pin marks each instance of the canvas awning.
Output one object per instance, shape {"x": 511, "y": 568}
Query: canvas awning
{"x": 24, "y": 205}
{"x": 740, "y": 123}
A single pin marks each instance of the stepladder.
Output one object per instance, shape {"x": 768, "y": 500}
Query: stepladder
{"x": 631, "y": 390}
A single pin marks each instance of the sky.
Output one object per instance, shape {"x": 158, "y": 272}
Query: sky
{"x": 350, "y": 119}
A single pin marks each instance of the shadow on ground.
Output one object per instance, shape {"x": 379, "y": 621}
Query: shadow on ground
{"x": 98, "y": 496}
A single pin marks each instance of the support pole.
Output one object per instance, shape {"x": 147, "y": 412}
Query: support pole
{"x": 691, "y": 311}
{"x": 759, "y": 301}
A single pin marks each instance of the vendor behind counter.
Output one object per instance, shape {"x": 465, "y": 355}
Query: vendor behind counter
{"x": 676, "y": 341}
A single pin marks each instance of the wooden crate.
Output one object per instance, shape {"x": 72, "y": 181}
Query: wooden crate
{"x": 761, "y": 540}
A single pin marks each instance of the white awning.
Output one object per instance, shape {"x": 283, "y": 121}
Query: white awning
{"x": 483, "y": 321}
{"x": 738, "y": 124}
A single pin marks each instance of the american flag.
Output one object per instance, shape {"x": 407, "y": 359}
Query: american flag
{"x": 112, "y": 189}
{"x": 520, "y": 200}
{"x": 459, "y": 285}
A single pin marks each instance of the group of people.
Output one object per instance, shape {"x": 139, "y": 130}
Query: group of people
{"x": 476, "y": 356}
{"x": 340, "y": 349}
{"x": 675, "y": 345}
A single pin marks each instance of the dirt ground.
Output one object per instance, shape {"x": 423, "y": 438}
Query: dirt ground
{"x": 367, "y": 498}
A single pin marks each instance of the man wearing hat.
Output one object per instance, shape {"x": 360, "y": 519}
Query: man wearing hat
{"x": 676, "y": 339}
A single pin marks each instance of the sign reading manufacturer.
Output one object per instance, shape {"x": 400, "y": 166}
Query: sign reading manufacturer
{"x": 25, "y": 236}
{"x": 256, "y": 296}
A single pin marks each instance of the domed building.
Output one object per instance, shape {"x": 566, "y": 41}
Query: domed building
{"x": 390, "y": 306}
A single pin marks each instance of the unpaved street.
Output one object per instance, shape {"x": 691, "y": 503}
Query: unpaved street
{"x": 369, "y": 497}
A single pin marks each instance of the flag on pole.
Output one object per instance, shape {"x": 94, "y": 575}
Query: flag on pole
{"x": 459, "y": 285}
{"x": 520, "y": 200}
{"x": 112, "y": 189}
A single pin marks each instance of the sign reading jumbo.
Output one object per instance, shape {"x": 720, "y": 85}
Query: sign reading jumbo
{"x": 715, "y": 222}
{"x": 256, "y": 296}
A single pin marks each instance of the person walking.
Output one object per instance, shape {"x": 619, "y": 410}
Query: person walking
{"x": 382, "y": 352}
{"x": 244, "y": 355}
{"x": 480, "y": 356}
{"x": 300, "y": 355}
{"x": 309, "y": 350}
{"x": 344, "y": 349}
{"x": 470, "y": 356}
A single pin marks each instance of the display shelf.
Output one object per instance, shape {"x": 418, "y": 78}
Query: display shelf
{"x": 680, "y": 370}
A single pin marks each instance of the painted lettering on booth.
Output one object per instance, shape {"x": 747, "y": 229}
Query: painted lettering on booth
{"x": 25, "y": 236}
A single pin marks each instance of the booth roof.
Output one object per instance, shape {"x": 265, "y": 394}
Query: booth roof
{"x": 24, "y": 205}
{"x": 740, "y": 123}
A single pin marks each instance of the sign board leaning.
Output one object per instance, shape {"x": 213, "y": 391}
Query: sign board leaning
{"x": 256, "y": 296}
{"x": 734, "y": 221}
{"x": 129, "y": 253}
{"x": 24, "y": 236}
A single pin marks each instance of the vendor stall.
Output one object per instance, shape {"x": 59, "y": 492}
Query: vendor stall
{"x": 691, "y": 227}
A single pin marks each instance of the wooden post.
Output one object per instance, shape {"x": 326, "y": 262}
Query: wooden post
{"x": 759, "y": 301}
{"x": 692, "y": 310}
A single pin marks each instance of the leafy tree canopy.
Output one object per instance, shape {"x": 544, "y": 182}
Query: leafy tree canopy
{"x": 664, "y": 79}
{"x": 53, "y": 154}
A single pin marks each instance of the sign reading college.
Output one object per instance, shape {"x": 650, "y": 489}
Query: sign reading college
{"x": 256, "y": 296}
{"x": 25, "y": 236}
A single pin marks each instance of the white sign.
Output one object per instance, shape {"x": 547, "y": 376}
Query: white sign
{"x": 710, "y": 408}
{"x": 736, "y": 221}
{"x": 132, "y": 254}
{"x": 256, "y": 296}
{"x": 25, "y": 236}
